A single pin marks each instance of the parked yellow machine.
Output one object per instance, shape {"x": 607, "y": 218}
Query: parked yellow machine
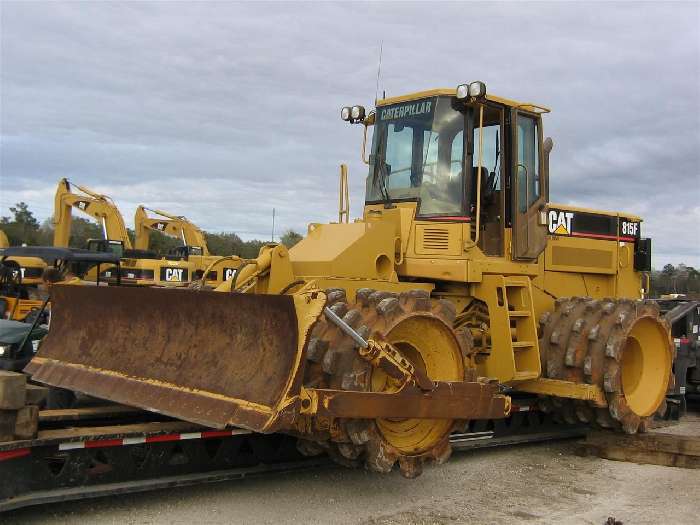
{"x": 30, "y": 269}
{"x": 194, "y": 244}
{"x": 137, "y": 268}
{"x": 373, "y": 339}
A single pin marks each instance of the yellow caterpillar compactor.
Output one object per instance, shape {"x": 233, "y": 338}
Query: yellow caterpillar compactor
{"x": 373, "y": 339}
{"x": 194, "y": 244}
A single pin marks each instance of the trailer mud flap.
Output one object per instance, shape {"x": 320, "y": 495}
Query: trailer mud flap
{"x": 211, "y": 358}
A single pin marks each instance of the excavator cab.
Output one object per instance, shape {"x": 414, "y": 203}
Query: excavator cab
{"x": 184, "y": 252}
{"x": 107, "y": 246}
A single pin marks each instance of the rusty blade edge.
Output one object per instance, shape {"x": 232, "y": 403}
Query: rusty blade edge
{"x": 202, "y": 408}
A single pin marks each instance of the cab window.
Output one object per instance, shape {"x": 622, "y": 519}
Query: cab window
{"x": 399, "y": 146}
{"x": 416, "y": 156}
{"x": 528, "y": 167}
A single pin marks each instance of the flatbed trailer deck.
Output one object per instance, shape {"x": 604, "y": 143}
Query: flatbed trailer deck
{"x": 105, "y": 450}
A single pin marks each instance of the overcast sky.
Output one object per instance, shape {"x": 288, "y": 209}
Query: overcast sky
{"x": 222, "y": 111}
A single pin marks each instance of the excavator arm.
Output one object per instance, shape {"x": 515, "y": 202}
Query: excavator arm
{"x": 100, "y": 207}
{"x": 172, "y": 225}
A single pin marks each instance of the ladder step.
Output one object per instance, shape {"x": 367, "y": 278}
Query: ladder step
{"x": 516, "y": 284}
{"x": 518, "y": 313}
{"x": 522, "y": 344}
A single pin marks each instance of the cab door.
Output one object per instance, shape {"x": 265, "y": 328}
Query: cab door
{"x": 529, "y": 195}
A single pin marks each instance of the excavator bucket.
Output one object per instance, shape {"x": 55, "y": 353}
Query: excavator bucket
{"x": 211, "y": 358}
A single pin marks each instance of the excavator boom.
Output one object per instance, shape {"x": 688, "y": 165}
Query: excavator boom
{"x": 172, "y": 225}
{"x": 100, "y": 207}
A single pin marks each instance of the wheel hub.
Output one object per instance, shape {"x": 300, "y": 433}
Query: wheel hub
{"x": 429, "y": 345}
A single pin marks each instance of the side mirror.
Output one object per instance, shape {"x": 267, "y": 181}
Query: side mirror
{"x": 642, "y": 255}
{"x": 548, "y": 145}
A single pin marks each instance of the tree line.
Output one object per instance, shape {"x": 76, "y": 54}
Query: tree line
{"x": 679, "y": 279}
{"x": 22, "y": 227}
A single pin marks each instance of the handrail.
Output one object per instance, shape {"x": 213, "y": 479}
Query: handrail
{"x": 478, "y": 174}
{"x": 344, "y": 196}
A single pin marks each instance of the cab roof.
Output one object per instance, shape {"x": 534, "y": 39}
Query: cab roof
{"x": 528, "y": 106}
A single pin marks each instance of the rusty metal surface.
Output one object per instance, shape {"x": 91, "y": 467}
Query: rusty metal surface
{"x": 86, "y": 413}
{"x": 448, "y": 400}
{"x": 206, "y": 357}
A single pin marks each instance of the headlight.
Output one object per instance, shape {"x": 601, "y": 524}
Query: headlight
{"x": 353, "y": 114}
{"x": 357, "y": 112}
{"x": 475, "y": 89}
{"x": 5, "y": 349}
{"x": 462, "y": 91}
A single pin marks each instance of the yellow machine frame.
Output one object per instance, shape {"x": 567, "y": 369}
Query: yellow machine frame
{"x": 392, "y": 249}
{"x": 31, "y": 268}
{"x": 413, "y": 319}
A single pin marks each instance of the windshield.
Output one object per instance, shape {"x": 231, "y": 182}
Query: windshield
{"x": 417, "y": 155}
{"x": 99, "y": 245}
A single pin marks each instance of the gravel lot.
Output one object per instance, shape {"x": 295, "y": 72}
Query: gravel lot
{"x": 539, "y": 483}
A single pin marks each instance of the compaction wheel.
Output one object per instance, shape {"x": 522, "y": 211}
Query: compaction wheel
{"x": 421, "y": 330}
{"x": 621, "y": 345}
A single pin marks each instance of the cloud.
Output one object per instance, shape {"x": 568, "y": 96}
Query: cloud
{"x": 223, "y": 111}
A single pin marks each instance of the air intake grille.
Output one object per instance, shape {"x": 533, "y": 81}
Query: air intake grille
{"x": 436, "y": 239}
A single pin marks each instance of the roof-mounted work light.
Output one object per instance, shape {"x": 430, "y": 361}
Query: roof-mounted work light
{"x": 353, "y": 114}
{"x": 473, "y": 90}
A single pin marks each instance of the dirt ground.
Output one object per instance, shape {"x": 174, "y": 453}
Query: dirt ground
{"x": 533, "y": 484}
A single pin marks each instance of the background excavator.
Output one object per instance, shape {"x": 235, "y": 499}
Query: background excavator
{"x": 138, "y": 267}
{"x": 194, "y": 244}
{"x": 460, "y": 286}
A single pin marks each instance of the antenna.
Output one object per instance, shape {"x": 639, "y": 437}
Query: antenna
{"x": 379, "y": 71}
{"x": 273, "y": 225}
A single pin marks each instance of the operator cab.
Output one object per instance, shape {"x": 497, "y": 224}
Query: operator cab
{"x": 184, "y": 252}
{"x": 462, "y": 156}
{"x": 106, "y": 245}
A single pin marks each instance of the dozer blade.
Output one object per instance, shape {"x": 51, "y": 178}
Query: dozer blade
{"x": 211, "y": 358}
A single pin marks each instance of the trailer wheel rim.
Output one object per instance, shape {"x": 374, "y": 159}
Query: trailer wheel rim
{"x": 429, "y": 344}
{"x": 644, "y": 366}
